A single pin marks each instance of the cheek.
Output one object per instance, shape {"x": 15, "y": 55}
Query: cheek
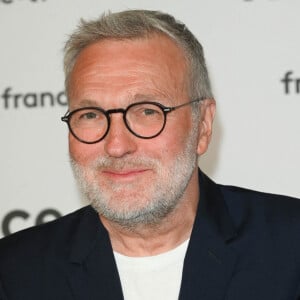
{"x": 169, "y": 144}
{"x": 175, "y": 135}
{"x": 82, "y": 153}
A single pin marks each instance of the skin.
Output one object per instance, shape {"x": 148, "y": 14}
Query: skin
{"x": 112, "y": 74}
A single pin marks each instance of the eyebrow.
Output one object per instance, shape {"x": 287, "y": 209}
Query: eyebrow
{"x": 87, "y": 102}
{"x": 148, "y": 97}
{"x": 135, "y": 98}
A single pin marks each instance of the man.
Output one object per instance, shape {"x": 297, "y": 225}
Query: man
{"x": 140, "y": 113}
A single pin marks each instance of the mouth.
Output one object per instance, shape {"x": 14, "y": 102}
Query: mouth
{"x": 126, "y": 174}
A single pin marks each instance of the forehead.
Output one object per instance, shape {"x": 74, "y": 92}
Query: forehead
{"x": 155, "y": 62}
{"x": 153, "y": 46}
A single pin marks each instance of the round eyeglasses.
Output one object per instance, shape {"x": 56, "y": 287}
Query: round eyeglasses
{"x": 145, "y": 120}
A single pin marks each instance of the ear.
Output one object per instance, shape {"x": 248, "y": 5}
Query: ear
{"x": 207, "y": 113}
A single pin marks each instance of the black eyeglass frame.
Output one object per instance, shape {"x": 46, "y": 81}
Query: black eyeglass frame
{"x": 165, "y": 109}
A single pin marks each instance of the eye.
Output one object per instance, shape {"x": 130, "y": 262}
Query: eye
{"x": 89, "y": 115}
{"x": 150, "y": 111}
{"x": 145, "y": 110}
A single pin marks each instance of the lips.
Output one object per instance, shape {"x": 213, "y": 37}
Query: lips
{"x": 126, "y": 173}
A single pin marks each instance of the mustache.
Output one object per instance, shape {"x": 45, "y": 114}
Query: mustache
{"x": 120, "y": 163}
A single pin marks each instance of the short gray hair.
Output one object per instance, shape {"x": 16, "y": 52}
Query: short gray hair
{"x": 133, "y": 24}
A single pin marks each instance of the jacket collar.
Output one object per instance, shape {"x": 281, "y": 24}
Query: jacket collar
{"x": 212, "y": 208}
{"x": 209, "y": 262}
{"x": 93, "y": 272}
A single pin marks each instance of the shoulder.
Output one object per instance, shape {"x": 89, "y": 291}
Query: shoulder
{"x": 276, "y": 205}
{"x": 250, "y": 209}
{"x": 43, "y": 238}
{"x": 38, "y": 258}
{"x": 241, "y": 201}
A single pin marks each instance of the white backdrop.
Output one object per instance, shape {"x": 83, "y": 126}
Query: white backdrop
{"x": 252, "y": 49}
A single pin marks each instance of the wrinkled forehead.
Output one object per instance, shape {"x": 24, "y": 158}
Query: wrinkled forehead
{"x": 110, "y": 63}
{"x": 146, "y": 46}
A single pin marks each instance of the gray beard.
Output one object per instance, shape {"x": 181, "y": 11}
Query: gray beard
{"x": 159, "y": 198}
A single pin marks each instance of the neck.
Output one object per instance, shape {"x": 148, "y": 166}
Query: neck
{"x": 146, "y": 240}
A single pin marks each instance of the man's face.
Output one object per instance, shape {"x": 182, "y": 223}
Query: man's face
{"x": 131, "y": 180}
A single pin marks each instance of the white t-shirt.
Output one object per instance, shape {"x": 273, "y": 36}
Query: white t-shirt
{"x": 152, "y": 277}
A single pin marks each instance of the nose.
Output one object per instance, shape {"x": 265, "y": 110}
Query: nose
{"x": 119, "y": 141}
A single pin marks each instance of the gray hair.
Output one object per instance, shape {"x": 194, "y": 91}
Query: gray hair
{"x": 133, "y": 24}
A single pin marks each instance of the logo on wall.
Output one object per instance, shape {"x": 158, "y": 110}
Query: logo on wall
{"x": 291, "y": 83}
{"x": 42, "y": 217}
{"x": 14, "y": 1}
{"x": 14, "y": 100}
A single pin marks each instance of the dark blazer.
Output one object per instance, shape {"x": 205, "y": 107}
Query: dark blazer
{"x": 245, "y": 245}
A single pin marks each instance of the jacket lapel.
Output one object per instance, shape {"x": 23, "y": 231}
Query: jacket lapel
{"x": 92, "y": 269}
{"x": 209, "y": 262}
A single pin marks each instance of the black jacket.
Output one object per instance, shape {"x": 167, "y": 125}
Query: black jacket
{"x": 245, "y": 245}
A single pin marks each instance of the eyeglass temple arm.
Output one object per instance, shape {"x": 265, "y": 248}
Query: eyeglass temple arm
{"x": 65, "y": 117}
{"x": 169, "y": 109}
